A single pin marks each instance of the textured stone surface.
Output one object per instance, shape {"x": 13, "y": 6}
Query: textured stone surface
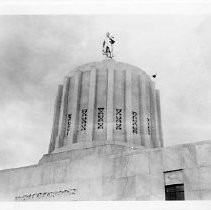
{"x": 137, "y": 164}
{"x": 193, "y": 195}
{"x": 155, "y": 161}
{"x": 172, "y": 159}
{"x": 110, "y": 172}
{"x": 142, "y": 185}
{"x": 203, "y": 152}
{"x": 205, "y": 194}
{"x": 158, "y": 197}
{"x": 188, "y": 156}
{"x": 204, "y": 177}
{"x": 156, "y": 184}
{"x": 191, "y": 179}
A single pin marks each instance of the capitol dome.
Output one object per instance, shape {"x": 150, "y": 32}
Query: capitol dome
{"x": 106, "y": 102}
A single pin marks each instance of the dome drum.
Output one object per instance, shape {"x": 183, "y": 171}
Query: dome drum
{"x": 106, "y": 102}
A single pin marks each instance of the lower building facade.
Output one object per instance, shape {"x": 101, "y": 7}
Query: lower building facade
{"x": 113, "y": 171}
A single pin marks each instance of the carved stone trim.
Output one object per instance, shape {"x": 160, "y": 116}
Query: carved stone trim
{"x": 46, "y": 195}
{"x": 173, "y": 177}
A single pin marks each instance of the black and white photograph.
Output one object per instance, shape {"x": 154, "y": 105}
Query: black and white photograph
{"x": 105, "y": 107}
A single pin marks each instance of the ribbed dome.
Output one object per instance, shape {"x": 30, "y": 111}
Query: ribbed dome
{"x": 105, "y": 64}
{"x": 106, "y": 102}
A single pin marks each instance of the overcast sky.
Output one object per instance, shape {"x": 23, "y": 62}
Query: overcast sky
{"x": 37, "y": 52}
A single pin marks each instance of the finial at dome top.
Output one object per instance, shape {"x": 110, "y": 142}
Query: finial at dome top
{"x": 108, "y": 46}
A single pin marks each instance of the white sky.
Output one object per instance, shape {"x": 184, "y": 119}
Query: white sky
{"x": 37, "y": 52}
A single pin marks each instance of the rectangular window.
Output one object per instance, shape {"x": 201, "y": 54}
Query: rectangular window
{"x": 175, "y": 192}
{"x": 148, "y": 126}
{"x": 100, "y": 116}
{"x": 83, "y": 119}
{"x": 134, "y": 122}
{"x": 68, "y": 123}
{"x": 118, "y": 119}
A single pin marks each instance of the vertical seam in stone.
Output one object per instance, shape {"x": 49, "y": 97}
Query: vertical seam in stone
{"x": 147, "y": 115}
{"x": 159, "y": 118}
{"x": 128, "y": 107}
{"x": 110, "y": 103}
{"x": 75, "y": 109}
{"x": 153, "y": 115}
{"x": 57, "y": 107}
{"x": 141, "y": 110}
{"x": 63, "y": 113}
{"x": 69, "y": 111}
{"x": 156, "y": 129}
{"x": 91, "y": 105}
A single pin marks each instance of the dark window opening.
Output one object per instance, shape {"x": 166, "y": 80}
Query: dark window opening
{"x": 175, "y": 192}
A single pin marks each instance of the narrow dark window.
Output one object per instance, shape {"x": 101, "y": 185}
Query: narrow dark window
{"x": 100, "y": 116}
{"x": 83, "y": 119}
{"x": 118, "y": 119}
{"x": 134, "y": 122}
{"x": 148, "y": 126}
{"x": 175, "y": 192}
{"x": 68, "y": 123}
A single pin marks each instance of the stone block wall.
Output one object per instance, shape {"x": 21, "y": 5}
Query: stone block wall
{"x": 112, "y": 172}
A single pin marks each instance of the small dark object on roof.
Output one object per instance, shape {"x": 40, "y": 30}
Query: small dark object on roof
{"x": 154, "y": 75}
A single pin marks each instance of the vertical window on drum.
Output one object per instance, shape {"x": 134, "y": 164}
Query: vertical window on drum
{"x": 83, "y": 119}
{"x": 69, "y": 116}
{"x": 148, "y": 126}
{"x": 118, "y": 119}
{"x": 100, "y": 118}
{"x": 134, "y": 122}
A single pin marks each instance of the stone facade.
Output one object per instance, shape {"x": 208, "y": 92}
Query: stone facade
{"x": 106, "y": 144}
{"x": 112, "y": 172}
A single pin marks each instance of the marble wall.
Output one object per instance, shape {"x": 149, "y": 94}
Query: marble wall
{"x": 112, "y": 172}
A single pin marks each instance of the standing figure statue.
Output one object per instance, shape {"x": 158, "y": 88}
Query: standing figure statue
{"x": 108, "y": 46}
